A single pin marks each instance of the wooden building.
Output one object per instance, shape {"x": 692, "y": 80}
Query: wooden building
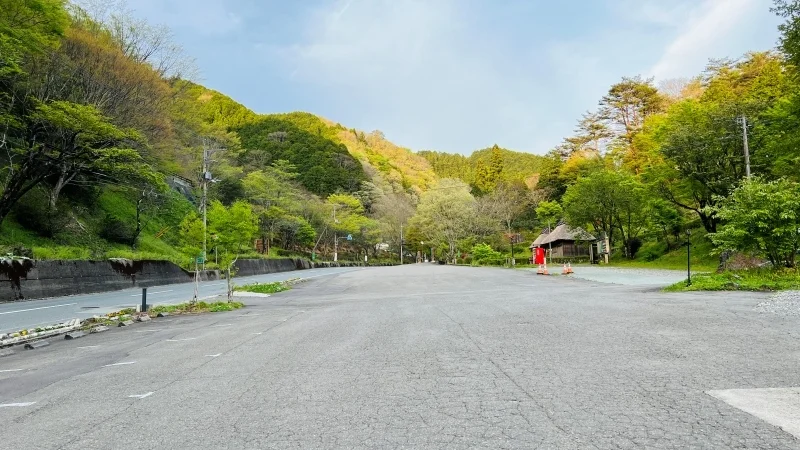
{"x": 565, "y": 242}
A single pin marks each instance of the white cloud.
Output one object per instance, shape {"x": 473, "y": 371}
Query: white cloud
{"x": 708, "y": 26}
{"x": 417, "y": 71}
{"x": 206, "y": 17}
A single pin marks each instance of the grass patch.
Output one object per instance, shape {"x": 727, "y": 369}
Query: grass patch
{"x": 199, "y": 307}
{"x": 764, "y": 280}
{"x": 266, "y": 288}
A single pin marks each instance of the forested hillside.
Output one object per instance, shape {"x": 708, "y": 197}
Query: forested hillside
{"x": 474, "y": 169}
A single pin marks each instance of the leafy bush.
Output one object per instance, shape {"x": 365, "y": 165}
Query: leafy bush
{"x": 34, "y": 212}
{"x": 484, "y": 254}
{"x": 652, "y": 251}
{"x": 763, "y": 217}
{"x": 746, "y": 280}
{"x": 114, "y": 229}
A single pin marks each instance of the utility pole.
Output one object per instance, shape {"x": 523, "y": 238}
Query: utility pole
{"x": 205, "y": 179}
{"x": 335, "y": 237}
{"x": 746, "y": 147}
{"x": 401, "y": 244}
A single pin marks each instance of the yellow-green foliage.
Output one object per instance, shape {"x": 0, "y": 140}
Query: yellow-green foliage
{"x": 397, "y": 166}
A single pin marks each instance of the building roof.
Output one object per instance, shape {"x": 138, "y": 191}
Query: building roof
{"x": 563, "y": 232}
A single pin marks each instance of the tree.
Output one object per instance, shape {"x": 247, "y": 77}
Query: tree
{"x": 445, "y": 214}
{"x": 790, "y": 30}
{"x": 550, "y": 213}
{"x": 762, "y": 217}
{"x": 628, "y": 103}
{"x": 592, "y": 133}
{"x": 393, "y": 212}
{"x": 507, "y": 202}
{"x": 64, "y": 141}
{"x": 233, "y": 229}
{"x": 487, "y": 176}
{"x": 609, "y": 201}
{"x": 33, "y": 24}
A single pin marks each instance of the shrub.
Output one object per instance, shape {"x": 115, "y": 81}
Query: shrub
{"x": 652, "y": 251}
{"x": 114, "y": 229}
{"x": 484, "y": 254}
{"x": 762, "y": 217}
{"x": 34, "y": 212}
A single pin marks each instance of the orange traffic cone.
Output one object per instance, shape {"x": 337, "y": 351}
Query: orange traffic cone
{"x": 569, "y": 268}
{"x": 564, "y": 270}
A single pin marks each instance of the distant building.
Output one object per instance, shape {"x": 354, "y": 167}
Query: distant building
{"x": 565, "y": 242}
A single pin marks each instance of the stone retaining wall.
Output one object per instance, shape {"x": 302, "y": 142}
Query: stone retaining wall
{"x": 28, "y": 280}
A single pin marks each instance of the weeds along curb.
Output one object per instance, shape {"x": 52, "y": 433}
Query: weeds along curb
{"x": 95, "y": 324}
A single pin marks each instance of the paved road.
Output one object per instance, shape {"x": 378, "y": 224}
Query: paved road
{"x": 419, "y": 356}
{"x": 29, "y": 314}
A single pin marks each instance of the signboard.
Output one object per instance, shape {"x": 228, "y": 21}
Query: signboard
{"x": 201, "y": 260}
{"x": 349, "y": 237}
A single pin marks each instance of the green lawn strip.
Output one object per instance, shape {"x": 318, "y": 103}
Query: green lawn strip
{"x": 266, "y": 288}
{"x": 113, "y": 318}
{"x": 199, "y": 307}
{"x": 763, "y": 280}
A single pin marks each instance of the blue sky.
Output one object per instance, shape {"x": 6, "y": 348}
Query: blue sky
{"x": 453, "y": 75}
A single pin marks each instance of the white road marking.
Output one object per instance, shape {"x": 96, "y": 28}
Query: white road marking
{"x": 10, "y": 405}
{"x": 11, "y": 370}
{"x": 89, "y": 346}
{"x": 258, "y": 333}
{"x": 213, "y": 356}
{"x": 140, "y": 396}
{"x": 120, "y": 364}
{"x": 212, "y": 284}
{"x": 153, "y": 293}
{"x": 180, "y": 340}
{"x": 36, "y": 309}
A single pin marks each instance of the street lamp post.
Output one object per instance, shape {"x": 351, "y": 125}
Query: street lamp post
{"x": 688, "y": 257}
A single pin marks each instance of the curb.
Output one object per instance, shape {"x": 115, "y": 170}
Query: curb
{"x": 72, "y": 325}
{"x": 250, "y": 294}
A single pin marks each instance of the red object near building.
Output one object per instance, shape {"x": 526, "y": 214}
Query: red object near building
{"x": 539, "y": 256}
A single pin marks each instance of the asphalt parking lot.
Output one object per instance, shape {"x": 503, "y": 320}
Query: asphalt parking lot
{"x": 423, "y": 356}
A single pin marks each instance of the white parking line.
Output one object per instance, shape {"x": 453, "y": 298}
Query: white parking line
{"x": 10, "y": 405}
{"x": 36, "y": 309}
{"x": 180, "y": 340}
{"x": 141, "y": 396}
{"x": 153, "y": 293}
{"x": 120, "y": 364}
{"x": 11, "y": 370}
{"x": 213, "y": 356}
{"x": 258, "y": 333}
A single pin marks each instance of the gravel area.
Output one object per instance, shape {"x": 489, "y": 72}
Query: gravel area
{"x": 785, "y": 303}
{"x": 626, "y": 276}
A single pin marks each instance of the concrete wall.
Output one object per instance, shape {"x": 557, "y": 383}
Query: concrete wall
{"x": 27, "y": 279}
